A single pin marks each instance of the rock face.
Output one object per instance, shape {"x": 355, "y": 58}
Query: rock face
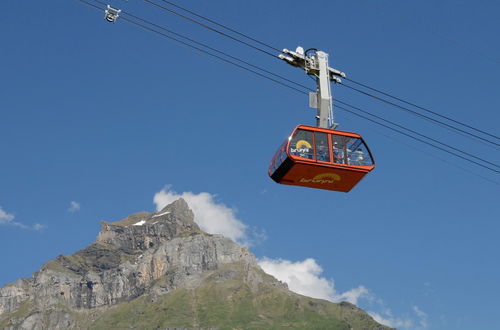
{"x": 142, "y": 268}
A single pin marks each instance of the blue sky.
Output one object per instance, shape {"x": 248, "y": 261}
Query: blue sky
{"x": 97, "y": 119}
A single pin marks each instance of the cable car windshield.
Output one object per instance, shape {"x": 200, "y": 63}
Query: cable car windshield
{"x": 345, "y": 149}
{"x": 350, "y": 151}
{"x": 322, "y": 153}
{"x": 279, "y": 157}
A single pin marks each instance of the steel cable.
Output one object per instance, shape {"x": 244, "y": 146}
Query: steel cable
{"x": 288, "y": 86}
{"x": 419, "y": 114}
{"x": 418, "y": 139}
{"x": 422, "y": 108}
{"x": 364, "y": 85}
{"x": 211, "y": 28}
{"x": 416, "y": 133}
{"x": 222, "y": 26}
{"x": 197, "y": 48}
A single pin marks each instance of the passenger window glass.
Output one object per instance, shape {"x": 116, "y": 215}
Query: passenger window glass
{"x": 302, "y": 144}
{"x": 273, "y": 165}
{"x": 282, "y": 154}
{"x": 359, "y": 154}
{"x": 279, "y": 157}
{"x": 339, "y": 149}
{"x": 350, "y": 151}
{"x": 322, "y": 153}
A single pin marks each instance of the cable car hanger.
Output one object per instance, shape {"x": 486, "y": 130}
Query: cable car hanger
{"x": 320, "y": 157}
{"x": 317, "y": 65}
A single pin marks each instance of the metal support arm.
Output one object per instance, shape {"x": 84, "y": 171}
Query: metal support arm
{"x": 317, "y": 65}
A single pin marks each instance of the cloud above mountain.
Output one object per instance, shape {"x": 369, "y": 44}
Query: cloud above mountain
{"x": 304, "y": 277}
{"x": 212, "y": 216}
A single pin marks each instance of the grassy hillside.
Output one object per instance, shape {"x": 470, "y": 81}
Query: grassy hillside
{"x": 233, "y": 304}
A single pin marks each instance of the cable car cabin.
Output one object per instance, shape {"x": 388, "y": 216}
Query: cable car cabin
{"x": 321, "y": 158}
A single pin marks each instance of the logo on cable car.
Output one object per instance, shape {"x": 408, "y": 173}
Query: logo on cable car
{"x": 301, "y": 146}
{"x": 324, "y": 178}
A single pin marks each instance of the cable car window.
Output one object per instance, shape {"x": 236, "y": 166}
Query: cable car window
{"x": 272, "y": 167}
{"x": 279, "y": 157}
{"x": 302, "y": 144}
{"x": 357, "y": 153}
{"x": 281, "y": 154}
{"x": 339, "y": 149}
{"x": 322, "y": 151}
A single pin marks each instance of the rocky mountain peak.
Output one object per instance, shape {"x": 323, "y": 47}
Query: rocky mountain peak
{"x": 179, "y": 208}
{"x": 145, "y": 230}
{"x": 159, "y": 270}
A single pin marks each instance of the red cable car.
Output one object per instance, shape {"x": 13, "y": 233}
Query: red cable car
{"x": 321, "y": 158}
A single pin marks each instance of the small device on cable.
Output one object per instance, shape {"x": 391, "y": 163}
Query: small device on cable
{"x": 111, "y": 14}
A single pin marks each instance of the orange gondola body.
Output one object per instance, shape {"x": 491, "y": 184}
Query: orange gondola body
{"x": 321, "y": 158}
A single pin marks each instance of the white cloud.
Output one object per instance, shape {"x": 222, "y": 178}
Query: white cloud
{"x": 212, "y": 216}
{"x": 304, "y": 277}
{"x": 74, "y": 207}
{"x": 422, "y": 317}
{"x": 5, "y": 218}
{"x": 38, "y": 227}
{"x": 8, "y": 219}
{"x": 391, "y": 321}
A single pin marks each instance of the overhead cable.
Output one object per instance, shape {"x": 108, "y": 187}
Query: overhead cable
{"x": 209, "y": 47}
{"x": 364, "y": 85}
{"x": 419, "y": 114}
{"x": 418, "y": 139}
{"x": 415, "y": 132}
{"x": 198, "y": 48}
{"x": 211, "y": 28}
{"x": 422, "y": 108}
{"x": 222, "y": 25}
{"x": 281, "y": 83}
{"x": 430, "y": 154}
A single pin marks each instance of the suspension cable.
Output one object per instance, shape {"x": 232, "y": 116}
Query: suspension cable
{"x": 222, "y": 26}
{"x": 422, "y": 108}
{"x": 418, "y": 139}
{"x": 195, "y": 47}
{"x": 211, "y": 48}
{"x": 351, "y": 80}
{"x": 415, "y": 132}
{"x": 364, "y": 85}
{"x": 211, "y": 28}
{"x": 430, "y": 154}
{"x": 293, "y": 88}
{"x": 419, "y": 114}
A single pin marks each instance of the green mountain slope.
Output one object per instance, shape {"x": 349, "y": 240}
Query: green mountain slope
{"x": 234, "y": 304}
{"x": 161, "y": 271}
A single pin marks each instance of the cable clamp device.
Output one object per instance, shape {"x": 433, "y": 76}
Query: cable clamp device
{"x": 111, "y": 14}
{"x": 299, "y": 58}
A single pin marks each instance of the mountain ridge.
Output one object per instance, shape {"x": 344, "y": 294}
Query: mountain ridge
{"x": 160, "y": 270}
